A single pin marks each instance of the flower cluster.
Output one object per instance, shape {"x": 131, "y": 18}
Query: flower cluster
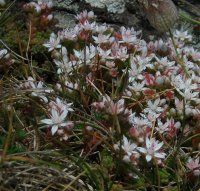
{"x": 58, "y": 111}
{"x": 140, "y": 85}
{"x": 37, "y": 89}
{"x": 194, "y": 166}
{"x": 127, "y": 110}
{"x": 40, "y": 15}
{"x": 108, "y": 106}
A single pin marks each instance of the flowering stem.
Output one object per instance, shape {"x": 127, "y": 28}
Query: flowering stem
{"x": 153, "y": 129}
{"x": 116, "y": 121}
{"x": 10, "y": 130}
{"x": 191, "y": 137}
{"x": 188, "y": 18}
{"x": 158, "y": 175}
{"x": 123, "y": 79}
{"x": 180, "y": 61}
{"x": 183, "y": 127}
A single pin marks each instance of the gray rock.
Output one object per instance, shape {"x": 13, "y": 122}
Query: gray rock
{"x": 114, "y": 12}
{"x": 64, "y": 19}
{"x": 112, "y": 6}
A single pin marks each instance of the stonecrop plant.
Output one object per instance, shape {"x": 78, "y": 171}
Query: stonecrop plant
{"x": 124, "y": 109}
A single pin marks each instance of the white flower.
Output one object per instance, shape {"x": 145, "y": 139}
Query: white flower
{"x": 37, "y": 88}
{"x": 58, "y": 113}
{"x": 49, "y": 4}
{"x": 138, "y": 65}
{"x": 101, "y": 38}
{"x": 153, "y": 107}
{"x": 191, "y": 52}
{"x": 69, "y": 34}
{"x": 170, "y": 126}
{"x": 44, "y": 3}
{"x": 190, "y": 95}
{"x": 85, "y": 55}
{"x": 61, "y": 105}
{"x": 162, "y": 127}
{"x": 53, "y": 43}
{"x": 71, "y": 86}
{"x": 56, "y": 120}
{"x": 137, "y": 87}
{"x": 185, "y": 87}
{"x": 104, "y": 53}
{"x": 140, "y": 122}
{"x": 101, "y": 28}
{"x": 122, "y": 53}
{"x": 194, "y": 166}
{"x": 152, "y": 149}
{"x": 50, "y": 17}
{"x": 182, "y": 35}
{"x": 160, "y": 45}
{"x": 87, "y": 26}
{"x": 129, "y": 35}
{"x": 164, "y": 62}
{"x": 3, "y": 53}
{"x": 128, "y": 147}
{"x": 64, "y": 65}
{"x": 37, "y": 8}
{"x": 112, "y": 107}
{"x": 85, "y": 15}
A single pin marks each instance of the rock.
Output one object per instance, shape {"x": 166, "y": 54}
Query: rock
{"x": 128, "y": 13}
{"x": 121, "y": 12}
{"x": 112, "y": 6}
{"x": 64, "y": 19}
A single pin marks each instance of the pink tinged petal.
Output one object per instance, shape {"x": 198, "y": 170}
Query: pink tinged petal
{"x": 64, "y": 114}
{"x": 148, "y": 158}
{"x": 30, "y": 78}
{"x": 120, "y": 103}
{"x": 142, "y": 150}
{"x": 34, "y": 94}
{"x": 32, "y": 85}
{"x": 50, "y": 49}
{"x": 70, "y": 124}
{"x": 116, "y": 146}
{"x": 95, "y": 38}
{"x": 54, "y": 129}
{"x": 47, "y": 45}
{"x": 158, "y": 146}
{"x": 54, "y": 113}
{"x": 47, "y": 121}
{"x": 40, "y": 84}
{"x": 44, "y": 99}
{"x": 157, "y": 101}
{"x": 148, "y": 143}
{"x": 58, "y": 46}
{"x": 63, "y": 124}
{"x": 125, "y": 140}
{"x": 126, "y": 158}
{"x": 160, "y": 155}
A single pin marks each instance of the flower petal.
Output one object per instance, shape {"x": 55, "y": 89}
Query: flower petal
{"x": 54, "y": 129}
{"x": 148, "y": 158}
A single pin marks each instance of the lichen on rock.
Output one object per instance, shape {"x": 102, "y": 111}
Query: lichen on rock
{"x": 112, "y": 6}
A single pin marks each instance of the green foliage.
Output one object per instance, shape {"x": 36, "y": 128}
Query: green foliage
{"x": 107, "y": 160}
{"x": 20, "y": 134}
{"x": 37, "y": 42}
